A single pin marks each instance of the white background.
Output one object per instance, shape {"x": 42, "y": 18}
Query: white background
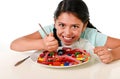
{"x": 21, "y": 17}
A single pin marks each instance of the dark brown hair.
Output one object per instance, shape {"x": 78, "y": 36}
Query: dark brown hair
{"x": 77, "y": 8}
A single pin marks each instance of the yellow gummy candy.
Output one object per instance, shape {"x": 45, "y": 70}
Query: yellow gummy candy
{"x": 40, "y": 59}
{"x": 61, "y": 65}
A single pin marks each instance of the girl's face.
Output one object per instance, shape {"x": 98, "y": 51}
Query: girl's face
{"x": 69, "y": 28}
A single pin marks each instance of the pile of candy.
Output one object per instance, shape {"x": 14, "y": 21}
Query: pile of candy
{"x": 64, "y": 57}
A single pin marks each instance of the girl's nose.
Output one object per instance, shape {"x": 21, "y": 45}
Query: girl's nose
{"x": 67, "y": 32}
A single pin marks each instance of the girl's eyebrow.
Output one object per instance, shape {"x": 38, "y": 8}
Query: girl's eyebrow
{"x": 61, "y": 22}
{"x": 76, "y": 24}
{"x": 70, "y": 24}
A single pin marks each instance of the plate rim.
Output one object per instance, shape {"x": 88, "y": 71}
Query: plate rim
{"x": 38, "y": 53}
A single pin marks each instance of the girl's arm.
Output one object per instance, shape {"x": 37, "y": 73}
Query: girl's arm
{"x": 28, "y": 42}
{"x": 114, "y": 44}
{"x": 35, "y": 42}
{"x": 106, "y": 55}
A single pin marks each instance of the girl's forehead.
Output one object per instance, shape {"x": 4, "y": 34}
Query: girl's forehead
{"x": 69, "y": 18}
{"x": 68, "y": 14}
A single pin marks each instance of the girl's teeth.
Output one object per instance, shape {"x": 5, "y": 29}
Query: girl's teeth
{"x": 67, "y": 38}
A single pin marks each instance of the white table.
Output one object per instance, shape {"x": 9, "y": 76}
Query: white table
{"x": 32, "y": 70}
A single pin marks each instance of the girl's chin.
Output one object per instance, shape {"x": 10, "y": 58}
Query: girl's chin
{"x": 67, "y": 44}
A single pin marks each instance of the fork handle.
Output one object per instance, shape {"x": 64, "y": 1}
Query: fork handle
{"x": 21, "y": 61}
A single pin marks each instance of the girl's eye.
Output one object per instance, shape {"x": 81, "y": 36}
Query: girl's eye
{"x": 62, "y": 25}
{"x": 75, "y": 27}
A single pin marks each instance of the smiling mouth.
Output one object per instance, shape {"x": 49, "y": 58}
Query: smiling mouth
{"x": 68, "y": 39}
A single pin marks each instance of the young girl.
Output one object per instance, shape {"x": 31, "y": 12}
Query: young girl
{"x": 71, "y": 22}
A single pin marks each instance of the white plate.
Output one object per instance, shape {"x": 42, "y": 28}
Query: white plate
{"x": 35, "y": 56}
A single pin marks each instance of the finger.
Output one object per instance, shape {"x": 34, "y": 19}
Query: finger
{"x": 105, "y": 61}
{"x": 100, "y": 53}
{"x": 104, "y": 57}
{"x": 53, "y": 48}
{"x": 100, "y": 48}
{"x": 52, "y": 43}
{"x": 107, "y": 58}
{"x": 97, "y": 49}
{"x": 51, "y": 37}
{"x": 51, "y": 34}
{"x": 103, "y": 52}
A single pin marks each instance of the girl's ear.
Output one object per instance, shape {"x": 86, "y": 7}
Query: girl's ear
{"x": 84, "y": 27}
{"x": 54, "y": 19}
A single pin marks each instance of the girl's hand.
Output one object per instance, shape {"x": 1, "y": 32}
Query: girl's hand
{"x": 104, "y": 54}
{"x": 50, "y": 43}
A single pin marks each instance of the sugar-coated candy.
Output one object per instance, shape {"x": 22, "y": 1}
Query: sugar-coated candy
{"x": 64, "y": 57}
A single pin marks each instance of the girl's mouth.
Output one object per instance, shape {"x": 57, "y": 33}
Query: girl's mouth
{"x": 68, "y": 40}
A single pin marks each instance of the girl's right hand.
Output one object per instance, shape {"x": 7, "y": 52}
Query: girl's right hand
{"x": 50, "y": 43}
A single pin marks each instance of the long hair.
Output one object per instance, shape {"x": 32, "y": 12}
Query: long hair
{"x": 78, "y": 8}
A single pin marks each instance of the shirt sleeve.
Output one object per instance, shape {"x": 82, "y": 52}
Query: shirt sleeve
{"x": 95, "y": 38}
{"x": 48, "y": 29}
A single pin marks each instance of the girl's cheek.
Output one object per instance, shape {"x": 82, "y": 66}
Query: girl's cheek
{"x": 77, "y": 33}
{"x": 59, "y": 32}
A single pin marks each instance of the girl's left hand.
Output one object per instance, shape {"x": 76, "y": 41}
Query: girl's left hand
{"x": 104, "y": 54}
